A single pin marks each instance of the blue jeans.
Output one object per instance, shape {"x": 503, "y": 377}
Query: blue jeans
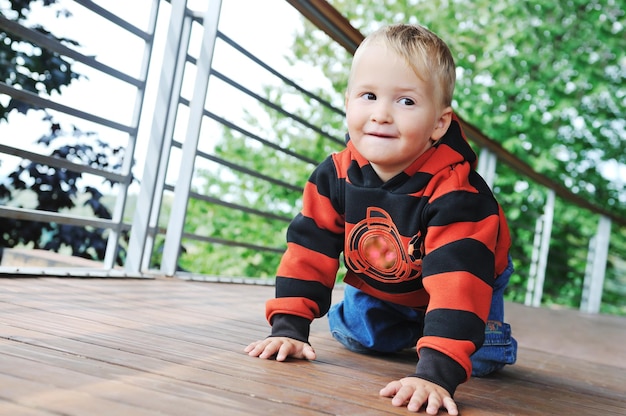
{"x": 365, "y": 324}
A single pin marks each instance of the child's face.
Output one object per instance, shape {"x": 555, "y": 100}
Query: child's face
{"x": 392, "y": 115}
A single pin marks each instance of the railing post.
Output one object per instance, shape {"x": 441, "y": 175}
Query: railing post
{"x": 141, "y": 218}
{"x": 129, "y": 155}
{"x": 596, "y": 267}
{"x": 534, "y": 261}
{"x": 197, "y": 105}
{"x": 487, "y": 166}
{"x": 167, "y": 143}
{"x": 541, "y": 247}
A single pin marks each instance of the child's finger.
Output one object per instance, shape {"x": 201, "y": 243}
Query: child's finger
{"x": 390, "y": 389}
{"x": 309, "y": 352}
{"x": 284, "y": 351}
{"x": 450, "y": 406}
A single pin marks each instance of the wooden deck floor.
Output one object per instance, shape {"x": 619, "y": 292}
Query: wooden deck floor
{"x": 171, "y": 347}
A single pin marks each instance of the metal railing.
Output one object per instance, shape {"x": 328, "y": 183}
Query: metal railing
{"x": 123, "y": 178}
{"x": 174, "y": 158}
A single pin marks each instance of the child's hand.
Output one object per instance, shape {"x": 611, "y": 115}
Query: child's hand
{"x": 283, "y": 347}
{"x": 415, "y": 392}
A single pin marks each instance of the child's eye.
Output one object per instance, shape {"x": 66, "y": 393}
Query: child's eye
{"x": 369, "y": 96}
{"x": 407, "y": 101}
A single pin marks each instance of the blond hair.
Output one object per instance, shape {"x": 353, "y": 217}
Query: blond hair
{"x": 425, "y": 53}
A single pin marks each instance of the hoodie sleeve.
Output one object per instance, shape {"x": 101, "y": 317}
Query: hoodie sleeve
{"x": 458, "y": 272}
{"x": 308, "y": 269}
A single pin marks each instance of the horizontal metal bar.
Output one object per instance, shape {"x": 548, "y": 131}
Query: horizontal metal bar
{"x": 17, "y": 272}
{"x": 274, "y": 106}
{"x": 232, "y": 243}
{"x": 90, "y": 5}
{"x": 236, "y": 207}
{"x": 37, "y": 101}
{"x": 251, "y": 135}
{"x": 54, "y": 45}
{"x": 242, "y": 169}
{"x": 265, "y": 142}
{"x": 277, "y": 74}
{"x": 257, "y": 281}
{"x": 61, "y": 163}
{"x": 239, "y": 207}
{"x": 54, "y": 217}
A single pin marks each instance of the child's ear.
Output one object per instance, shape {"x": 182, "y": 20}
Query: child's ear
{"x": 443, "y": 123}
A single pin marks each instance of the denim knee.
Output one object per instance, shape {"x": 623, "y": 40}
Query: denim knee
{"x": 365, "y": 324}
{"x": 499, "y": 347}
{"x": 498, "y": 350}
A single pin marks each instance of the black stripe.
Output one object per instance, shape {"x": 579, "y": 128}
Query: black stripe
{"x": 455, "y": 324}
{"x": 364, "y": 177}
{"x": 328, "y": 184}
{"x": 455, "y": 140}
{"x": 404, "y": 210}
{"x": 412, "y": 285}
{"x": 291, "y": 326}
{"x": 461, "y": 206}
{"x": 313, "y": 290}
{"x": 320, "y": 177}
{"x": 479, "y": 183}
{"x": 303, "y": 231}
{"x": 462, "y": 255}
{"x": 440, "y": 369}
{"x": 415, "y": 183}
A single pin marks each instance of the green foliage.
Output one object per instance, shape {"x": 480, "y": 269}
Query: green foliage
{"x": 28, "y": 66}
{"x": 543, "y": 78}
{"x": 38, "y": 186}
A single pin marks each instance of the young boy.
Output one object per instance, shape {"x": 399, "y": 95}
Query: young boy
{"x": 425, "y": 243}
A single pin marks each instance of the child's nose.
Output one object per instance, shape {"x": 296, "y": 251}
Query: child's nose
{"x": 381, "y": 113}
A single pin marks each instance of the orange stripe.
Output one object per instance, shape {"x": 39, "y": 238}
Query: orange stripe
{"x": 301, "y": 263}
{"x": 342, "y": 161}
{"x": 303, "y": 307}
{"x": 484, "y": 231}
{"x": 450, "y": 180}
{"x": 320, "y": 209}
{"x": 356, "y": 156}
{"x": 415, "y": 299}
{"x": 433, "y": 165}
{"x": 459, "y": 291}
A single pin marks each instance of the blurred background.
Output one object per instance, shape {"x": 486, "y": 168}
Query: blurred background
{"x": 157, "y": 137}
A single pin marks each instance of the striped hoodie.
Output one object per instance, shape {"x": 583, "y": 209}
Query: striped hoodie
{"x": 432, "y": 238}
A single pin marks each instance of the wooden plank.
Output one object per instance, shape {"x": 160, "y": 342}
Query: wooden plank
{"x": 570, "y": 333}
{"x": 163, "y": 345}
{"x": 40, "y": 395}
{"x": 14, "y": 409}
{"x": 269, "y": 380}
{"x": 121, "y": 385}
